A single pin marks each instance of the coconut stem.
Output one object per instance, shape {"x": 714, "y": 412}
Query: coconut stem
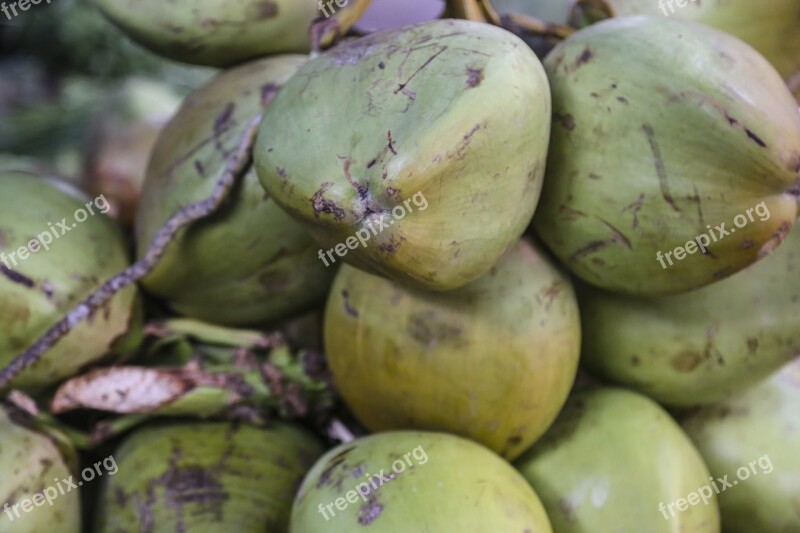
{"x": 586, "y": 12}
{"x": 524, "y": 24}
{"x": 517, "y": 23}
{"x": 212, "y": 334}
{"x": 474, "y": 10}
{"x": 234, "y": 167}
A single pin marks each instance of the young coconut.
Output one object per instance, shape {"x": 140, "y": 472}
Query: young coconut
{"x": 650, "y": 150}
{"x": 34, "y": 471}
{"x": 214, "y": 477}
{"x": 223, "y": 33}
{"x": 398, "y": 146}
{"x": 703, "y": 346}
{"x": 56, "y": 246}
{"x": 250, "y": 263}
{"x": 616, "y": 461}
{"x": 493, "y": 361}
{"x": 743, "y": 440}
{"x": 413, "y": 481}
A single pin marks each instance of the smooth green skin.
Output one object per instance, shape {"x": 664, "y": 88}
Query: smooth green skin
{"x": 375, "y": 121}
{"x": 31, "y": 463}
{"x": 649, "y": 149}
{"x": 493, "y": 361}
{"x": 704, "y": 346}
{"x": 37, "y": 291}
{"x": 249, "y": 263}
{"x": 608, "y": 462}
{"x": 209, "y": 477}
{"x": 461, "y": 486}
{"x": 761, "y": 422}
{"x": 215, "y": 33}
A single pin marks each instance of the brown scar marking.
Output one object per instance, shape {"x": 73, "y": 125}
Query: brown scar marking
{"x": 474, "y": 77}
{"x": 428, "y": 62}
{"x": 16, "y": 277}
{"x": 661, "y": 170}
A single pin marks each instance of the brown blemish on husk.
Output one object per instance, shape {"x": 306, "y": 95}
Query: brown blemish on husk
{"x": 589, "y": 249}
{"x": 618, "y": 236}
{"x": 474, "y": 77}
{"x": 686, "y": 362}
{"x": 403, "y": 85}
{"x": 752, "y": 345}
{"x": 392, "y": 246}
{"x": 322, "y": 205}
{"x": 223, "y": 118}
{"x": 16, "y": 277}
{"x": 511, "y": 443}
{"x": 755, "y": 138}
{"x": 661, "y": 169}
{"x": 548, "y": 295}
{"x": 570, "y": 213}
{"x": 370, "y": 511}
{"x": 567, "y": 121}
{"x": 635, "y": 207}
{"x": 267, "y": 9}
{"x": 585, "y": 57}
{"x": 428, "y": 329}
{"x": 465, "y": 142}
{"x": 268, "y": 92}
{"x": 390, "y": 146}
{"x": 349, "y": 309}
{"x": 333, "y": 462}
{"x": 775, "y": 240}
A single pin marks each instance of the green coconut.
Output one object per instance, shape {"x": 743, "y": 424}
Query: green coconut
{"x": 658, "y": 164}
{"x": 56, "y": 246}
{"x": 704, "y": 346}
{"x": 249, "y": 263}
{"x": 210, "y": 477}
{"x": 492, "y": 361}
{"x": 751, "y": 443}
{"x": 616, "y": 461}
{"x": 214, "y": 33}
{"x": 34, "y": 486}
{"x": 414, "y": 481}
{"x": 385, "y": 149}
